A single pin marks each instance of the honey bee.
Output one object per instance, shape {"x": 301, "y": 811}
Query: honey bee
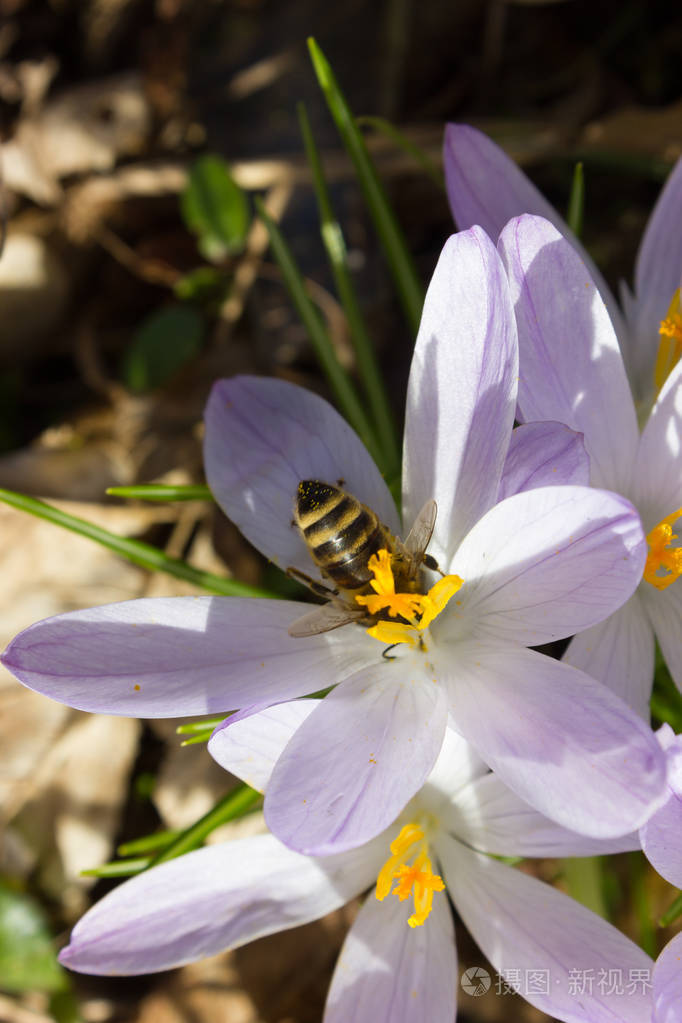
{"x": 341, "y": 535}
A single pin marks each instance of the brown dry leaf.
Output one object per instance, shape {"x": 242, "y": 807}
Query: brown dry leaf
{"x": 47, "y": 571}
{"x": 84, "y": 129}
{"x": 80, "y": 786}
{"x": 34, "y": 291}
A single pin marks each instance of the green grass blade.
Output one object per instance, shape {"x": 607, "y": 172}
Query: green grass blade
{"x": 392, "y": 239}
{"x": 672, "y": 913}
{"x": 148, "y": 844}
{"x": 142, "y": 554}
{"x": 401, "y": 140}
{"x": 583, "y": 876}
{"x": 339, "y": 381}
{"x": 576, "y": 202}
{"x": 640, "y": 900}
{"x": 163, "y": 492}
{"x": 192, "y": 727}
{"x": 335, "y": 245}
{"x": 119, "y": 868}
{"x": 234, "y": 804}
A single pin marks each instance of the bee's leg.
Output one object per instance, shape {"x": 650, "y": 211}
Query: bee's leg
{"x": 318, "y": 588}
{"x": 385, "y": 653}
{"x": 431, "y": 563}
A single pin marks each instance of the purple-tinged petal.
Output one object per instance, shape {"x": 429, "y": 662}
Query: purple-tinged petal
{"x": 570, "y": 366}
{"x": 462, "y": 390}
{"x": 544, "y": 455}
{"x": 357, "y": 760}
{"x": 486, "y": 187}
{"x": 457, "y": 765}
{"x": 657, "y": 274}
{"x": 665, "y": 613}
{"x": 547, "y": 941}
{"x": 662, "y": 834}
{"x": 250, "y": 747}
{"x": 489, "y": 817}
{"x": 562, "y": 741}
{"x": 174, "y": 656}
{"x": 657, "y": 479}
{"x": 620, "y": 653}
{"x": 212, "y": 899}
{"x": 388, "y": 972}
{"x": 667, "y": 981}
{"x": 546, "y": 563}
{"x": 263, "y": 437}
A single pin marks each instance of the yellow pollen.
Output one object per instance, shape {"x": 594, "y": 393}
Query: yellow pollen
{"x": 662, "y": 555}
{"x": 416, "y": 879}
{"x": 417, "y": 610}
{"x": 670, "y": 346}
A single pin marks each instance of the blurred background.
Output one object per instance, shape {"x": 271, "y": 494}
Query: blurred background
{"x": 117, "y": 311}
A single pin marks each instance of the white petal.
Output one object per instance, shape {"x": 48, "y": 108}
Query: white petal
{"x": 620, "y": 653}
{"x": 561, "y": 740}
{"x": 212, "y": 899}
{"x": 391, "y": 973}
{"x": 263, "y": 437}
{"x": 668, "y": 983}
{"x": 546, "y": 563}
{"x": 462, "y": 390}
{"x": 657, "y": 479}
{"x": 531, "y": 930}
{"x": 249, "y": 748}
{"x": 489, "y": 817}
{"x": 571, "y": 368}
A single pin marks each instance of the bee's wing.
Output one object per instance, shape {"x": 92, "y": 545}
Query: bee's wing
{"x": 419, "y": 536}
{"x": 324, "y": 619}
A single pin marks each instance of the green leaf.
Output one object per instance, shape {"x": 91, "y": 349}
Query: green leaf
{"x": 163, "y": 492}
{"x": 390, "y": 234}
{"x": 234, "y": 804}
{"x": 215, "y": 208}
{"x": 28, "y": 961}
{"x": 584, "y": 878}
{"x": 165, "y": 342}
{"x": 672, "y": 912}
{"x": 368, "y": 367}
{"x": 119, "y": 868}
{"x": 345, "y": 394}
{"x": 142, "y": 554}
{"x": 205, "y": 286}
{"x": 401, "y": 140}
{"x": 149, "y": 843}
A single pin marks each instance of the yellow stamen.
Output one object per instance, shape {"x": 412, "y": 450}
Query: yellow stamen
{"x": 418, "y": 610}
{"x": 670, "y": 346}
{"x": 416, "y": 879}
{"x": 394, "y": 632}
{"x": 662, "y": 555}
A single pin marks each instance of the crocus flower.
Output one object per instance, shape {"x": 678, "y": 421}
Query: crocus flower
{"x": 541, "y": 564}
{"x": 661, "y": 836}
{"x": 667, "y": 983}
{"x": 486, "y": 187}
{"x": 399, "y": 961}
{"x": 571, "y": 369}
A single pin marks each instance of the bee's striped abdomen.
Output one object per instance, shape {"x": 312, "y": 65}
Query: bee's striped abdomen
{"x": 341, "y": 533}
